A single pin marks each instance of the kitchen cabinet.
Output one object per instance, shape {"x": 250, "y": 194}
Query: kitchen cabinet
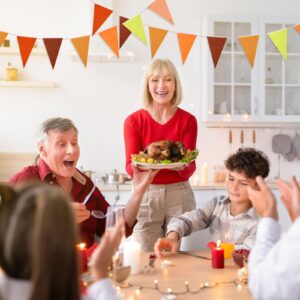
{"x": 233, "y": 93}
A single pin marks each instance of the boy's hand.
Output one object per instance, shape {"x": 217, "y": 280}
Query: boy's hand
{"x": 290, "y": 196}
{"x": 166, "y": 244}
{"x": 263, "y": 200}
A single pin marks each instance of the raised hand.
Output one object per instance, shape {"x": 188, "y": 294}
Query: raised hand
{"x": 102, "y": 256}
{"x": 142, "y": 179}
{"x": 263, "y": 200}
{"x": 290, "y": 196}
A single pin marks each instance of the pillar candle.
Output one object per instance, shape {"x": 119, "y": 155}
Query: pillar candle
{"x": 204, "y": 174}
{"x": 132, "y": 256}
{"x": 228, "y": 249}
{"x": 82, "y": 256}
{"x": 217, "y": 256}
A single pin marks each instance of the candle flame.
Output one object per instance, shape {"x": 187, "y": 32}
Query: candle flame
{"x": 218, "y": 244}
{"x": 81, "y": 246}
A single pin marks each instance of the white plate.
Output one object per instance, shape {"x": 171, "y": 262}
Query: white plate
{"x": 147, "y": 166}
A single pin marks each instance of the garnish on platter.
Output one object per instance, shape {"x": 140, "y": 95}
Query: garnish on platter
{"x": 164, "y": 155}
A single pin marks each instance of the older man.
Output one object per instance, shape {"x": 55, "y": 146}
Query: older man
{"x": 59, "y": 152}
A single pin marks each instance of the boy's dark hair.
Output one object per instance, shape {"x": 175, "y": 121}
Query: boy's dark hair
{"x": 249, "y": 161}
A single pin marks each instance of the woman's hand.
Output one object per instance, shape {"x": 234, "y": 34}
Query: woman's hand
{"x": 102, "y": 256}
{"x": 290, "y": 197}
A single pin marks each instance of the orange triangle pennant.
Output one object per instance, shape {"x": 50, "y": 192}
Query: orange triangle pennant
{"x": 216, "y": 45}
{"x": 100, "y": 15}
{"x": 25, "y": 45}
{"x": 157, "y": 35}
{"x": 110, "y": 36}
{"x": 81, "y": 45}
{"x": 52, "y": 46}
{"x": 297, "y": 28}
{"x": 249, "y": 45}
{"x": 161, "y": 8}
{"x": 185, "y": 42}
{"x": 3, "y": 36}
{"x": 124, "y": 31}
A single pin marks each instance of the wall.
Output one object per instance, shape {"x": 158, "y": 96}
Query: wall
{"x": 99, "y": 97}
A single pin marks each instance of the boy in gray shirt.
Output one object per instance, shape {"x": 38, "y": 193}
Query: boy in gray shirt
{"x": 224, "y": 214}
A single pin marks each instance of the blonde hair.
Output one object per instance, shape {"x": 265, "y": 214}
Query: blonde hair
{"x": 38, "y": 235}
{"x": 161, "y": 67}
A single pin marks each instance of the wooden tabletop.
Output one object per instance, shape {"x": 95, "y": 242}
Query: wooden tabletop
{"x": 196, "y": 271}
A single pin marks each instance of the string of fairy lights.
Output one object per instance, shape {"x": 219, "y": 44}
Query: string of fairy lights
{"x": 240, "y": 282}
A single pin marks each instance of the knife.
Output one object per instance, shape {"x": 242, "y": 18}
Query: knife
{"x": 193, "y": 255}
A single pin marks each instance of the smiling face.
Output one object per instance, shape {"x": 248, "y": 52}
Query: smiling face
{"x": 237, "y": 186}
{"x": 61, "y": 152}
{"x": 162, "y": 88}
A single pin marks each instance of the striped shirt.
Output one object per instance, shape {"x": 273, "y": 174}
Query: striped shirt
{"x": 215, "y": 215}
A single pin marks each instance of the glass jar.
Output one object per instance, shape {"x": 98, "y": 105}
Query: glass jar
{"x": 219, "y": 174}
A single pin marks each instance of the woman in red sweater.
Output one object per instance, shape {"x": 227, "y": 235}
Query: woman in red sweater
{"x": 170, "y": 193}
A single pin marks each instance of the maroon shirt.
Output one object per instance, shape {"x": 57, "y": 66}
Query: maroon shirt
{"x": 82, "y": 186}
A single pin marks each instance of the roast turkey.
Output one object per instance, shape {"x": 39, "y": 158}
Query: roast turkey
{"x": 166, "y": 149}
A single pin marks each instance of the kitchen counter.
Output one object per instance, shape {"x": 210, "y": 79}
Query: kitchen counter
{"x": 210, "y": 186}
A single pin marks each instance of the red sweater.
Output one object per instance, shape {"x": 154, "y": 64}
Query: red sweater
{"x": 140, "y": 130}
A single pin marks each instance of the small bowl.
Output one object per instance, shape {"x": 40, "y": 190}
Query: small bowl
{"x": 240, "y": 257}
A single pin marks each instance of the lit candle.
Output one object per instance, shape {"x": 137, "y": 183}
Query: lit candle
{"x": 132, "y": 256}
{"x": 204, "y": 174}
{"x": 82, "y": 256}
{"x": 217, "y": 256}
{"x": 228, "y": 249}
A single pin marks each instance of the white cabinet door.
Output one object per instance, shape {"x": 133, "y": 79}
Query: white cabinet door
{"x": 229, "y": 90}
{"x": 281, "y": 79}
{"x": 233, "y": 92}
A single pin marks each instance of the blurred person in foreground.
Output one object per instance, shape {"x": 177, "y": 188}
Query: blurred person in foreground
{"x": 274, "y": 265}
{"x": 38, "y": 256}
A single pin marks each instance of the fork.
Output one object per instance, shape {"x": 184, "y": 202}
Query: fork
{"x": 98, "y": 214}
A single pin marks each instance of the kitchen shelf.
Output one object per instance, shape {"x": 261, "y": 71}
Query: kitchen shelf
{"x": 16, "y": 51}
{"x": 27, "y": 84}
{"x": 106, "y": 58}
{"x": 287, "y": 125}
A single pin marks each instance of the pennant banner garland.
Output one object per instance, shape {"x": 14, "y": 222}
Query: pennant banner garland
{"x": 81, "y": 45}
{"x": 116, "y": 36}
{"x": 25, "y": 45}
{"x": 110, "y": 36}
{"x": 124, "y": 32}
{"x": 52, "y": 47}
{"x": 3, "y": 36}
{"x": 185, "y": 42}
{"x": 157, "y": 35}
{"x": 135, "y": 25}
{"x": 216, "y": 45}
{"x": 249, "y": 45}
{"x": 279, "y": 39}
{"x": 161, "y": 8}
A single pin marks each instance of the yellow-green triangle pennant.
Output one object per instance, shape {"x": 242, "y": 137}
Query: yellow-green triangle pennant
{"x": 279, "y": 39}
{"x": 135, "y": 25}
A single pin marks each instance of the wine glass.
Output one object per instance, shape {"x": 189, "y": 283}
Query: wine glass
{"x": 111, "y": 218}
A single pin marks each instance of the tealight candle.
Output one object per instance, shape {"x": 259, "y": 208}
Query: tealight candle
{"x": 132, "y": 256}
{"x": 228, "y": 249}
{"x": 166, "y": 263}
{"x": 217, "y": 256}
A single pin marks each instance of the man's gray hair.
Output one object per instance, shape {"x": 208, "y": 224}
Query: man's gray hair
{"x": 56, "y": 124}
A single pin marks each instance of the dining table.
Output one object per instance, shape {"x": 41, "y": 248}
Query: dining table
{"x": 185, "y": 275}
